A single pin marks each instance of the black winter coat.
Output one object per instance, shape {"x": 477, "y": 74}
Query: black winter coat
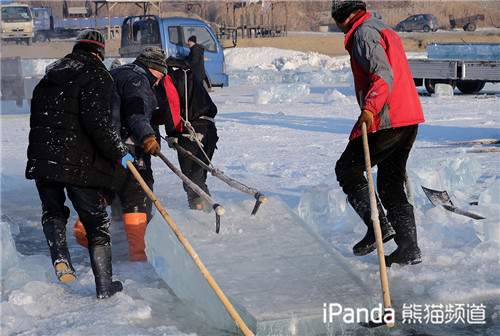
{"x": 196, "y": 60}
{"x": 71, "y": 139}
{"x": 198, "y": 100}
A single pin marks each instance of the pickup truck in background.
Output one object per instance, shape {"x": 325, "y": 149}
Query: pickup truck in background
{"x": 171, "y": 34}
{"x": 466, "y": 66}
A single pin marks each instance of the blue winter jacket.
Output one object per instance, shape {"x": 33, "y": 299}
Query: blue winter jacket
{"x": 134, "y": 102}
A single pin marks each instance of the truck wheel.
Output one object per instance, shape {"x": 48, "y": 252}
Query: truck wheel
{"x": 40, "y": 37}
{"x": 470, "y": 86}
{"x": 28, "y": 41}
{"x": 471, "y": 26}
{"x": 427, "y": 29}
{"x": 430, "y": 84}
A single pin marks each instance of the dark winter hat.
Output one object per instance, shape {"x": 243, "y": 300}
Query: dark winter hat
{"x": 341, "y": 9}
{"x": 154, "y": 58}
{"x": 192, "y": 39}
{"x": 90, "y": 40}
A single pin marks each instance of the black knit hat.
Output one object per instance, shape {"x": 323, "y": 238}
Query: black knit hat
{"x": 341, "y": 9}
{"x": 92, "y": 41}
{"x": 153, "y": 58}
{"x": 192, "y": 39}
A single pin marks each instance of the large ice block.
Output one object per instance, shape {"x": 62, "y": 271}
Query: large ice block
{"x": 275, "y": 271}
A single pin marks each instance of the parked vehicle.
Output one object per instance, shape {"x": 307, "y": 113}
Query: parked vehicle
{"x": 460, "y": 65}
{"x": 425, "y": 22}
{"x": 172, "y": 34}
{"x": 14, "y": 84}
{"x": 47, "y": 27}
{"x": 17, "y": 23}
{"x": 468, "y": 23}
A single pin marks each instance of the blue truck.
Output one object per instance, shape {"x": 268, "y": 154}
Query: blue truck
{"x": 171, "y": 34}
{"x": 47, "y": 27}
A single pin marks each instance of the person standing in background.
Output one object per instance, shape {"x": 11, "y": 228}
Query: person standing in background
{"x": 196, "y": 61}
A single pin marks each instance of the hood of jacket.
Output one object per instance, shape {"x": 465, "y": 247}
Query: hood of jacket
{"x": 65, "y": 69}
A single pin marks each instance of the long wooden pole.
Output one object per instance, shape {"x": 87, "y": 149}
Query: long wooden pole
{"x": 376, "y": 224}
{"x": 219, "y": 209}
{"x": 211, "y": 281}
{"x": 223, "y": 177}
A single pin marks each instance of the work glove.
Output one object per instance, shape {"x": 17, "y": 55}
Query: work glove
{"x": 151, "y": 146}
{"x": 367, "y": 117}
{"x": 123, "y": 160}
{"x": 171, "y": 141}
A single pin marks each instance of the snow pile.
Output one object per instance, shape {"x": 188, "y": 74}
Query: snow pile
{"x": 271, "y": 65}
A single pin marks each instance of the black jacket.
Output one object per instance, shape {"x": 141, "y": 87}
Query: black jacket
{"x": 198, "y": 100}
{"x": 196, "y": 60}
{"x": 71, "y": 139}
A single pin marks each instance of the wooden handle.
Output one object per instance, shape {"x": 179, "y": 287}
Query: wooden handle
{"x": 376, "y": 224}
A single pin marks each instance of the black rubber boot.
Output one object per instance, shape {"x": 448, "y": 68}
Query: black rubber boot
{"x": 359, "y": 198}
{"x": 407, "y": 252}
{"x": 100, "y": 259}
{"x": 55, "y": 234}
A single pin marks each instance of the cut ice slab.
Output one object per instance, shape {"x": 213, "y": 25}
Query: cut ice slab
{"x": 275, "y": 271}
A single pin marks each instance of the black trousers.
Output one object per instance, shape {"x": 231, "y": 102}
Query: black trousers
{"x": 389, "y": 151}
{"x": 132, "y": 196}
{"x": 88, "y": 203}
{"x": 190, "y": 168}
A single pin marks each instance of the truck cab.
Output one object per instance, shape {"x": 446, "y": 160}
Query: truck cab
{"x": 17, "y": 23}
{"x": 171, "y": 34}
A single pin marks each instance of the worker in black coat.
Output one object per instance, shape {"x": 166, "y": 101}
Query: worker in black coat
{"x": 196, "y": 61}
{"x": 74, "y": 148}
{"x": 197, "y": 133}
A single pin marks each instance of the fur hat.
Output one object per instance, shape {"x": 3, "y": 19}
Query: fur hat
{"x": 92, "y": 41}
{"x": 341, "y": 9}
{"x": 153, "y": 58}
{"x": 192, "y": 39}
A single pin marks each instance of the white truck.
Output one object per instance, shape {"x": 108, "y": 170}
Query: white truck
{"x": 17, "y": 23}
{"x": 466, "y": 66}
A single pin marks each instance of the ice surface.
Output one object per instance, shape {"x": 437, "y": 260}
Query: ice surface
{"x": 272, "y": 266}
{"x": 464, "y": 51}
{"x": 443, "y": 90}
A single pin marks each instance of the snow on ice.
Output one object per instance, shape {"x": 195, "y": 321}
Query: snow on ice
{"x": 283, "y": 122}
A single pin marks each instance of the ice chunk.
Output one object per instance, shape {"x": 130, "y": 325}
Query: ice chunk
{"x": 488, "y": 229}
{"x": 285, "y": 93}
{"x": 324, "y": 207}
{"x": 272, "y": 266}
{"x": 333, "y": 95}
{"x": 443, "y": 90}
{"x": 9, "y": 255}
{"x": 464, "y": 51}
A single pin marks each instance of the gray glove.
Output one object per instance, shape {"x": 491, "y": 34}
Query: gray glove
{"x": 171, "y": 141}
